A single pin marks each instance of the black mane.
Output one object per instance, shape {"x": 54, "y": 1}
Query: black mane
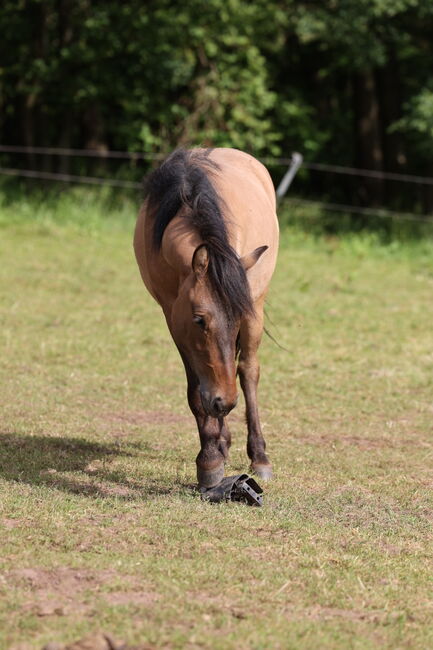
{"x": 183, "y": 181}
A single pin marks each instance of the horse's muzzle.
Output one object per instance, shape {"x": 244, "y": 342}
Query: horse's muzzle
{"x": 217, "y": 407}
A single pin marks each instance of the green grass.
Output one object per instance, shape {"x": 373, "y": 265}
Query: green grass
{"x": 100, "y": 528}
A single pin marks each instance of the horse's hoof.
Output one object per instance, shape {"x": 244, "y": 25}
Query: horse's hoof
{"x": 208, "y": 478}
{"x": 262, "y": 471}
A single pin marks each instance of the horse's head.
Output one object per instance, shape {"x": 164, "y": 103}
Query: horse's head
{"x": 207, "y": 335}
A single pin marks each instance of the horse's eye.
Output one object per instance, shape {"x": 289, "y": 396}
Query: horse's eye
{"x": 199, "y": 320}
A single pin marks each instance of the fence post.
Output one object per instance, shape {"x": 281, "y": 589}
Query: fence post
{"x": 295, "y": 163}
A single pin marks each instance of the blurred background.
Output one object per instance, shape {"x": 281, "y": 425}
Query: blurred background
{"x": 347, "y": 83}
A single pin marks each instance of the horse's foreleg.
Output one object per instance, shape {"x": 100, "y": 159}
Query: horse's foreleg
{"x": 225, "y": 439}
{"x": 215, "y": 437}
{"x": 249, "y": 374}
{"x": 212, "y": 455}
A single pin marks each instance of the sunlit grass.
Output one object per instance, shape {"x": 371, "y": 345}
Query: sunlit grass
{"x": 99, "y": 525}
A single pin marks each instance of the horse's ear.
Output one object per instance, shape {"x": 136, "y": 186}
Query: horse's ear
{"x": 200, "y": 260}
{"x": 249, "y": 260}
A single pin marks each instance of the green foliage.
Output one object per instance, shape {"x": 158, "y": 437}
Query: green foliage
{"x": 165, "y": 73}
{"x": 356, "y": 32}
{"x": 343, "y": 81}
{"x": 418, "y": 122}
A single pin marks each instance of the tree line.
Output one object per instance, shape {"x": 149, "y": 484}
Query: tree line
{"x": 347, "y": 82}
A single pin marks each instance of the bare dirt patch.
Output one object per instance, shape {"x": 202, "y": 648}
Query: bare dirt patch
{"x": 62, "y": 579}
{"x": 97, "y": 641}
{"x": 142, "y": 598}
{"x": 10, "y": 524}
{"x": 61, "y": 591}
{"x": 56, "y": 591}
{"x": 320, "y": 613}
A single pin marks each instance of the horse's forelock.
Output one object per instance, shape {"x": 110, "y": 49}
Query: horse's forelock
{"x": 229, "y": 283}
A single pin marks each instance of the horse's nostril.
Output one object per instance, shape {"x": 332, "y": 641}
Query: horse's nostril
{"x": 218, "y": 405}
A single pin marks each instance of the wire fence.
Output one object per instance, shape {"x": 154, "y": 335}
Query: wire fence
{"x": 69, "y": 178}
{"x": 103, "y": 154}
{"x": 82, "y": 153}
{"x": 351, "y": 209}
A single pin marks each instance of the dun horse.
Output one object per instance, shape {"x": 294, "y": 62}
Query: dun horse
{"x": 206, "y": 244}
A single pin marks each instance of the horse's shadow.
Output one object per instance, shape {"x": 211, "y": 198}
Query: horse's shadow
{"x": 65, "y": 464}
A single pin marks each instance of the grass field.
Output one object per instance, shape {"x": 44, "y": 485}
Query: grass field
{"x": 100, "y": 528}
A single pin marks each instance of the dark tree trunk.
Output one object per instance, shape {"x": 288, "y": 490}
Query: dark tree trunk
{"x": 427, "y": 195}
{"x": 28, "y": 101}
{"x": 64, "y": 9}
{"x": 64, "y": 142}
{"x": 95, "y": 136}
{"x": 65, "y": 36}
{"x": 389, "y": 93}
{"x": 369, "y": 152}
{"x": 26, "y": 109}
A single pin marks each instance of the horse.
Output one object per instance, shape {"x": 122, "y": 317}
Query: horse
{"x": 206, "y": 243}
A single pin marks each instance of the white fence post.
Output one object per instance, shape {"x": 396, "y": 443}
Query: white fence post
{"x": 290, "y": 174}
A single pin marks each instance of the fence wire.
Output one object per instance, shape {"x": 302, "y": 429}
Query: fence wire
{"x": 82, "y": 153}
{"x": 69, "y": 178}
{"x": 104, "y": 154}
{"x": 352, "y": 209}
{"x": 136, "y": 156}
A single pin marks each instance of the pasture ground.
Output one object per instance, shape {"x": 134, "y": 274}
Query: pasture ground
{"x": 100, "y": 528}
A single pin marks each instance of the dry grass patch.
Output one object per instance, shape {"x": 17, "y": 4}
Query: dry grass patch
{"x": 100, "y": 526}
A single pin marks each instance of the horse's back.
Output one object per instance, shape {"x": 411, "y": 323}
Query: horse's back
{"x": 242, "y": 171}
{"x": 248, "y": 193}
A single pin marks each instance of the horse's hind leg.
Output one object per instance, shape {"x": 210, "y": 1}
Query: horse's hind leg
{"x": 249, "y": 374}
